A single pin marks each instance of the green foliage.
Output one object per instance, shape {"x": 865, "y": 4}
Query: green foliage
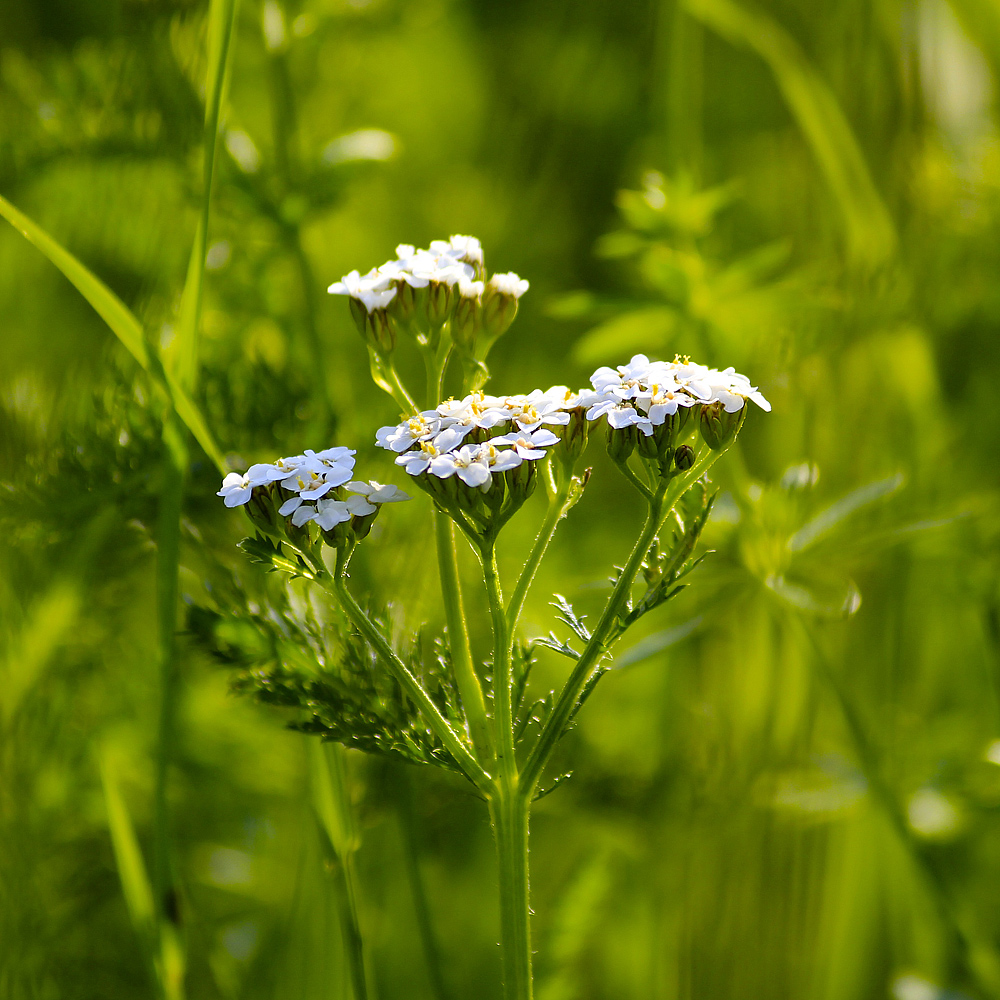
{"x": 291, "y": 657}
{"x": 786, "y": 784}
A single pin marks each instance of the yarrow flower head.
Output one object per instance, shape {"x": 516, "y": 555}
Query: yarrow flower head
{"x": 483, "y": 449}
{"x": 288, "y": 494}
{"x": 424, "y": 292}
{"x": 479, "y": 453}
{"x": 648, "y": 404}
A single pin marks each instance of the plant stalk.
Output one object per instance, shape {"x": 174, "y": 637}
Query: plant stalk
{"x": 469, "y": 686}
{"x": 509, "y": 806}
{"x": 660, "y": 505}
{"x": 555, "y": 513}
{"x": 509, "y": 816}
{"x": 471, "y": 767}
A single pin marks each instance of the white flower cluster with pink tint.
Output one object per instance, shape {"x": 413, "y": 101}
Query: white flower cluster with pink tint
{"x": 452, "y": 262}
{"x": 313, "y": 485}
{"x": 644, "y": 393}
{"x": 480, "y": 435}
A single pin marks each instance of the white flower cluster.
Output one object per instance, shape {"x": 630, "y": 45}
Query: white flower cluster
{"x": 644, "y": 393}
{"x": 310, "y": 480}
{"x": 453, "y": 262}
{"x": 505, "y": 431}
{"x": 481, "y": 435}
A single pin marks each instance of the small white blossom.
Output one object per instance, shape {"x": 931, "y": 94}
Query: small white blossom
{"x": 236, "y": 489}
{"x": 529, "y": 445}
{"x": 421, "y": 427}
{"x": 470, "y": 289}
{"x": 374, "y": 289}
{"x": 377, "y": 493}
{"x": 466, "y": 248}
{"x": 468, "y": 463}
{"x": 537, "y": 408}
{"x": 330, "y": 513}
{"x": 500, "y": 459}
{"x": 509, "y": 284}
{"x": 417, "y": 461}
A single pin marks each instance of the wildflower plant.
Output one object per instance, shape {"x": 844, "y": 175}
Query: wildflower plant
{"x": 479, "y": 458}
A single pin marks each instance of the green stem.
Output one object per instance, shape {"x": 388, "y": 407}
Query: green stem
{"x": 403, "y": 397}
{"x": 630, "y": 475}
{"x": 555, "y": 513}
{"x": 660, "y": 505}
{"x": 471, "y": 767}
{"x": 332, "y": 803}
{"x": 509, "y": 805}
{"x": 411, "y": 858}
{"x": 509, "y": 816}
{"x": 469, "y": 686}
{"x": 503, "y": 721}
{"x": 168, "y": 537}
{"x": 343, "y": 873}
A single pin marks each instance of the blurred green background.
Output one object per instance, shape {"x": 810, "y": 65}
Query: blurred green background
{"x": 789, "y": 785}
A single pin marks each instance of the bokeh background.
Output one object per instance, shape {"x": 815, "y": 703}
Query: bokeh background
{"x": 789, "y": 785}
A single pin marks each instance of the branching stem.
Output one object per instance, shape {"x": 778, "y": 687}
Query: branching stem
{"x": 660, "y": 505}
{"x": 471, "y": 767}
{"x": 555, "y": 513}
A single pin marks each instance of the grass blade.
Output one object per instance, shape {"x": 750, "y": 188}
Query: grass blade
{"x": 122, "y": 321}
{"x": 871, "y": 236}
{"x": 824, "y": 522}
{"x": 128, "y": 857}
{"x": 182, "y": 355}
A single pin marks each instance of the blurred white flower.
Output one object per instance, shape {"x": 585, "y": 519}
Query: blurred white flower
{"x": 364, "y": 144}
{"x": 509, "y": 284}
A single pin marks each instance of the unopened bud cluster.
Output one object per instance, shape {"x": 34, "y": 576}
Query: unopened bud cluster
{"x": 283, "y": 496}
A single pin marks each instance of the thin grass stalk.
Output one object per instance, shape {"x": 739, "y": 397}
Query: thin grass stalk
{"x": 166, "y": 897}
{"x": 978, "y": 957}
{"x": 406, "y": 815}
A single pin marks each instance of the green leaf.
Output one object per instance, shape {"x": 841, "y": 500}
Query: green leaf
{"x": 122, "y": 321}
{"x": 830, "y": 599}
{"x": 136, "y": 886}
{"x": 824, "y": 522}
{"x": 871, "y": 237}
{"x": 182, "y": 355}
{"x": 656, "y": 643}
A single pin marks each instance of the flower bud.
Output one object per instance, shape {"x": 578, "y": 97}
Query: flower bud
{"x": 467, "y": 319}
{"x": 671, "y": 429}
{"x": 621, "y": 442}
{"x": 684, "y": 457}
{"x": 361, "y": 524}
{"x": 648, "y": 447}
{"x": 263, "y": 511}
{"x": 338, "y": 536}
{"x": 360, "y": 314}
{"x": 573, "y": 437}
{"x": 438, "y": 301}
{"x": 403, "y": 308}
{"x": 719, "y": 427}
{"x": 500, "y": 304}
{"x": 494, "y": 497}
{"x": 381, "y": 334}
{"x": 521, "y": 482}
